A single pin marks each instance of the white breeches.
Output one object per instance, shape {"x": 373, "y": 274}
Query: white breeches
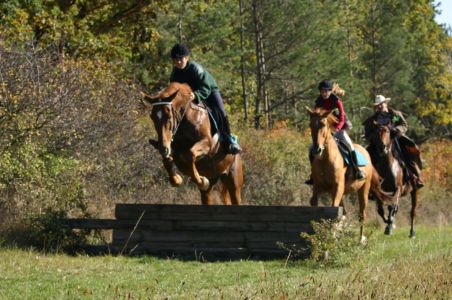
{"x": 343, "y": 136}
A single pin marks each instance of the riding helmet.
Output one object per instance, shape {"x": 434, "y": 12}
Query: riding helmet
{"x": 179, "y": 51}
{"x": 325, "y": 85}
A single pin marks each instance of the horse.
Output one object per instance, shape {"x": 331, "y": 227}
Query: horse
{"x": 329, "y": 171}
{"x": 185, "y": 142}
{"x": 383, "y": 152}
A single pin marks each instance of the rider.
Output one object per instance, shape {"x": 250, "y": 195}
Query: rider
{"x": 204, "y": 89}
{"x": 408, "y": 151}
{"x": 331, "y": 101}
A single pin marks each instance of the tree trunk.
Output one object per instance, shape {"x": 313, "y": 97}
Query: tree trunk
{"x": 261, "y": 91}
{"x": 242, "y": 63}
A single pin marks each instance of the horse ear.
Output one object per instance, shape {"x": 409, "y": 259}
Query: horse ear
{"x": 172, "y": 96}
{"x": 148, "y": 99}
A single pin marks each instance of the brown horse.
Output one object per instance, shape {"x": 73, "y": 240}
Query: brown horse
{"x": 383, "y": 152}
{"x": 185, "y": 141}
{"x": 329, "y": 172}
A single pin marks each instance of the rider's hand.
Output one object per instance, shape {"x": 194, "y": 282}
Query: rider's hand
{"x": 395, "y": 133}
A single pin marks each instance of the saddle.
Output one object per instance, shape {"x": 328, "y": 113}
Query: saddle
{"x": 346, "y": 154}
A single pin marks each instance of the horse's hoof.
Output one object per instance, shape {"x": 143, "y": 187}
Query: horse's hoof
{"x": 388, "y": 230}
{"x": 412, "y": 235}
{"x": 176, "y": 180}
{"x": 204, "y": 184}
{"x": 363, "y": 240}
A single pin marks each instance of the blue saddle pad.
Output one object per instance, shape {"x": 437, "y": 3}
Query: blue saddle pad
{"x": 362, "y": 160}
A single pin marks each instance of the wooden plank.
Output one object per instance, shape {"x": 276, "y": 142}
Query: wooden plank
{"x": 224, "y": 213}
{"x": 121, "y": 236}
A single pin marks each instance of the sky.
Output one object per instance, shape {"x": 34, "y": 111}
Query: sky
{"x": 446, "y": 12}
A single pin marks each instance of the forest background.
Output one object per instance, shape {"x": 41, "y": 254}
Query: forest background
{"x": 73, "y": 132}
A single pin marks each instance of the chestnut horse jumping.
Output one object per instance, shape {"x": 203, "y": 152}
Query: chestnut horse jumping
{"x": 185, "y": 141}
{"x": 329, "y": 172}
{"x": 382, "y": 149}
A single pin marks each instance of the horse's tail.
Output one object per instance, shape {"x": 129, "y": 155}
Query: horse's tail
{"x": 377, "y": 190}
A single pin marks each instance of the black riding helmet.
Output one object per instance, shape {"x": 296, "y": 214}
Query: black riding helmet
{"x": 179, "y": 51}
{"x": 325, "y": 85}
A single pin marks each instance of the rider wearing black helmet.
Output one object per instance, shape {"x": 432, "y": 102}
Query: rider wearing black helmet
{"x": 329, "y": 100}
{"x": 204, "y": 89}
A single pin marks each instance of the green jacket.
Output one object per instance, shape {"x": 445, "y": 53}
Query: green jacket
{"x": 200, "y": 81}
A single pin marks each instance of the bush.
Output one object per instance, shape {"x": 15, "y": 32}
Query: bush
{"x": 335, "y": 243}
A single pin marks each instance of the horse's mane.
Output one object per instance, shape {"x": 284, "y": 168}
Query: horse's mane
{"x": 183, "y": 91}
{"x": 321, "y": 112}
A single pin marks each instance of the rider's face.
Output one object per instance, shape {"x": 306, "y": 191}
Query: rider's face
{"x": 325, "y": 93}
{"x": 381, "y": 107}
{"x": 181, "y": 62}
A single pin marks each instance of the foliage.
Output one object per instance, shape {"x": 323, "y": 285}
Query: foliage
{"x": 335, "y": 242}
{"x": 49, "y": 232}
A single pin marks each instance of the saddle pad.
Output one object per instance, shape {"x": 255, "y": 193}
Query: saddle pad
{"x": 362, "y": 161}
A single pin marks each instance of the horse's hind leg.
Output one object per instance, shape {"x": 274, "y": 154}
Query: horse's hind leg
{"x": 233, "y": 182}
{"x": 414, "y": 204}
{"x": 206, "y": 196}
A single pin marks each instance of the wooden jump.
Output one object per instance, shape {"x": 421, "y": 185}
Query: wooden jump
{"x": 214, "y": 231}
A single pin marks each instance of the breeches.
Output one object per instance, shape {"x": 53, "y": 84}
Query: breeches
{"x": 343, "y": 136}
{"x": 215, "y": 103}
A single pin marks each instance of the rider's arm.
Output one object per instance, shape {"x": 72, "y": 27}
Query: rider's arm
{"x": 340, "y": 108}
{"x": 400, "y": 125}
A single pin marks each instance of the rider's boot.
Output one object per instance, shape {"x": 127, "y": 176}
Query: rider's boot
{"x": 233, "y": 147}
{"x": 359, "y": 175}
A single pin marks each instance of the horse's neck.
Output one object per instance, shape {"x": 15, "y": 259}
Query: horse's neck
{"x": 331, "y": 148}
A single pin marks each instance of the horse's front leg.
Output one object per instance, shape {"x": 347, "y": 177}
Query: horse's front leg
{"x": 174, "y": 178}
{"x": 199, "y": 149}
{"x": 337, "y": 195}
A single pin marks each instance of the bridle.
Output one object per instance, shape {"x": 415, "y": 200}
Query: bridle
{"x": 177, "y": 118}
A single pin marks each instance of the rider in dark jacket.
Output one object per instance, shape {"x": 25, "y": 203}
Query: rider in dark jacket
{"x": 204, "y": 88}
{"x": 409, "y": 151}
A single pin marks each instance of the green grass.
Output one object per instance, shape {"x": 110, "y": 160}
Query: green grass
{"x": 392, "y": 267}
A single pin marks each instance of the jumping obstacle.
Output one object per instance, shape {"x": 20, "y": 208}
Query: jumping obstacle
{"x": 215, "y": 231}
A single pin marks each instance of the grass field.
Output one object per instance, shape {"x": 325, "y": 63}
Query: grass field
{"x": 392, "y": 267}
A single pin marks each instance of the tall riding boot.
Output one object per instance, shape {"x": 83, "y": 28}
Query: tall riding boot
{"x": 359, "y": 175}
{"x": 415, "y": 170}
{"x": 310, "y": 181}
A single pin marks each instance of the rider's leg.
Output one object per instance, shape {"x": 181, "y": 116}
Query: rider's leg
{"x": 343, "y": 136}
{"x": 216, "y": 102}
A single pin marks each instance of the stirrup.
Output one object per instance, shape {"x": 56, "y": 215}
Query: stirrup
{"x": 419, "y": 183}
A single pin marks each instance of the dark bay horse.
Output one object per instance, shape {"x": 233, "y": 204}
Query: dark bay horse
{"x": 383, "y": 151}
{"x": 329, "y": 171}
{"x": 185, "y": 141}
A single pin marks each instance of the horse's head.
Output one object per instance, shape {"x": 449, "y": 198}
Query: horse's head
{"x": 381, "y": 138}
{"x": 321, "y": 124}
{"x": 165, "y": 114}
